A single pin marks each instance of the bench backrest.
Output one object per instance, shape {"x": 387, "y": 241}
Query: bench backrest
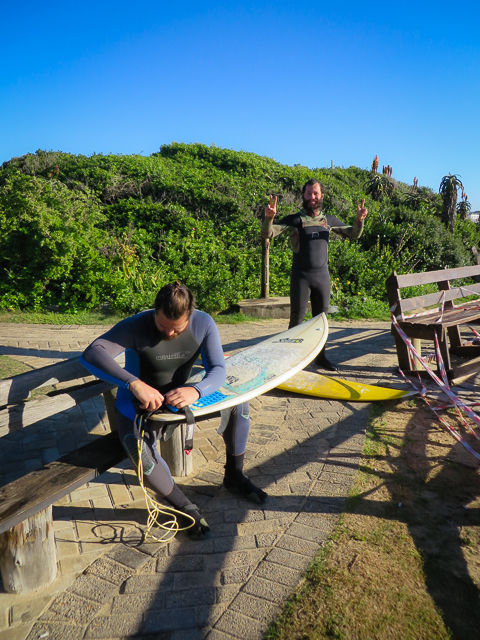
{"x": 445, "y": 292}
{"x": 73, "y": 385}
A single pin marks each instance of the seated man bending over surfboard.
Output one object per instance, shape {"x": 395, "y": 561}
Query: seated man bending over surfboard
{"x": 161, "y": 346}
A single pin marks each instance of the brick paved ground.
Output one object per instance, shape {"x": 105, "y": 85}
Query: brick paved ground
{"x": 112, "y": 584}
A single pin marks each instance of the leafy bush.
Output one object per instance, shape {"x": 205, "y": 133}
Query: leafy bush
{"x": 77, "y": 231}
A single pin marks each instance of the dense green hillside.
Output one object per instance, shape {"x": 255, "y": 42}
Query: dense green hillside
{"x": 77, "y": 231}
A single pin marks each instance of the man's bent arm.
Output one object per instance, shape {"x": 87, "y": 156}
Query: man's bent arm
{"x": 270, "y": 230}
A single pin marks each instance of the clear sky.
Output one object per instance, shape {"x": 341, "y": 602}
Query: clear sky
{"x": 302, "y": 83}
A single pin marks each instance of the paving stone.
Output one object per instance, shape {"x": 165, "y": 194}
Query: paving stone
{"x": 267, "y": 539}
{"x": 190, "y": 597}
{"x": 288, "y": 559}
{"x": 278, "y": 573}
{"x": 109, "y": 570}
{"x": 267, "y": 589}
{"x": 45, "y": 631}
{"x": 128, "y": 556}
{"x": 237, "y": 575}
{"x": 158, "y": 621}
{"x": 208, "y": 616}
{"x": 143, "y": 583}
{"x": 239, "y": 626}
{"x": 233, "y": 543}
{"x": 72, "y": 608}
{"x": 234, "y": 559}
{"x": 115, "y": 626}
{"x": 134, "y": 603}
{"x": 93, "y": 588}
{"x": 184, "y": 563}
{"x": 255, "y": 607}
{"x": 194, "y": 579}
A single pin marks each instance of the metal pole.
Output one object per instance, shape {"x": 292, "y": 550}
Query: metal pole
{"x": 265, "y": 266}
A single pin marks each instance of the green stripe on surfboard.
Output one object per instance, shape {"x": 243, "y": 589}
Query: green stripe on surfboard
{"x": 314, "y": 384}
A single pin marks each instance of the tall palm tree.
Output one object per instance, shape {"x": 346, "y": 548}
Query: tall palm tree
{"x": 448, "y": 190}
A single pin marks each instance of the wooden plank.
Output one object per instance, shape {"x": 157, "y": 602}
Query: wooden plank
{"x": 37, "y": 490}
{"x": 435, "y": 298}
{"x": 22, "y": 415}
{"x": 14, "y": 390}
{"x": 450, "y": 318}
{"x": 427, "y": 277}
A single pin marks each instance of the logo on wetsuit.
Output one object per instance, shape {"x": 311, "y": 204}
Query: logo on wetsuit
{"x": 180, "y": 355}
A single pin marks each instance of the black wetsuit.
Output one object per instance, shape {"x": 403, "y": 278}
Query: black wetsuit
{"x": 309, "y": 276}
{"x": 164, "y": 365}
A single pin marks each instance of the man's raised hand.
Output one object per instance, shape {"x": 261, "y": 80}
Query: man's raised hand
{"x": 271, "y": 208}
{"x": 361, "y": 211}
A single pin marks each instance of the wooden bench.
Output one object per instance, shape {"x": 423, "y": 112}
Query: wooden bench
{"x": 28, "y": 558}
{"x": 423, "y": 317}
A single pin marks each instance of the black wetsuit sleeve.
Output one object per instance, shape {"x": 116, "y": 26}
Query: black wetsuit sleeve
{"x": 347, "y": 231}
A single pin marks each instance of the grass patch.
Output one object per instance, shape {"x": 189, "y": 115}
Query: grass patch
{"x": 10, "y": 367}
{"x": 59, "y": 318}
{"x": 404, "y": 561}
{"x": 101, "y": 317}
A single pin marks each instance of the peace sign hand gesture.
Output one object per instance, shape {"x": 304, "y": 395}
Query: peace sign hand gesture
{"x": 271, "y": 209}
{"x": 361, "y": 211}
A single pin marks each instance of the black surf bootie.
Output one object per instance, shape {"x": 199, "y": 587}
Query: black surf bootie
{"x": 322, "y": 361}
{"x": 236, "y": 482}
{"x": 200, "y": 530}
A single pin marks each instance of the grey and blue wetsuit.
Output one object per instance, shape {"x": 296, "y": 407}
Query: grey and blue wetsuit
{"x": 164, "y": 365}
{"x": 309, "y": 238}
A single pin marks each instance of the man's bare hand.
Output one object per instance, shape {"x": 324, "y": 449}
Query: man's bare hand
{"x": 182, "y": 396}
{"x": 271, "y": 209}
{"x": 150, "y": 399}
{"x": 361, "y": 211}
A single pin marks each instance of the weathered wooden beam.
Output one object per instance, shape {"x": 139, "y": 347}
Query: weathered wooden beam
{"x": 28, "y": 560}
{"x": 39, "y": 489}
{"x": 18, "y": 388}
{"x": 427, "y": 277}
{"x": 22, "y": 415}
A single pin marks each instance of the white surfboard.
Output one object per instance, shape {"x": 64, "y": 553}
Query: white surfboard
{"x": 260, "y": 368}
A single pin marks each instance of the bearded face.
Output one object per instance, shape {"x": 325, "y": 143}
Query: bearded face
{"x": 313, "y": 200}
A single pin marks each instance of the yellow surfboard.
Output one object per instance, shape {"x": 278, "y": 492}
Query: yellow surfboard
{"x": 314, "y": 384}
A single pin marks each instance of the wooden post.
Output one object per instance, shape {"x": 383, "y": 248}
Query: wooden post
{"x": 172, "y": 451}
{"x": 28, "y": 560}
{"x": 265, "y": 266}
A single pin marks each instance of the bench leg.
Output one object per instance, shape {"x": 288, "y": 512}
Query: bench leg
{"x": 28, "y": 560}
{"x": 404, "y": 360}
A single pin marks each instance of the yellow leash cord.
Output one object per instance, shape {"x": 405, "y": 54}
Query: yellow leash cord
{"x": 154, "y": 508}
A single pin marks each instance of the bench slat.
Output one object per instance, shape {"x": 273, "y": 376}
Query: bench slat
{"x": 14, "y": 390}
{"x": 427, "y": 277}
{"x": 22, "y": 415}
{"x": 409, "y": 304}
{"x": 450, "y": 317}
{"x": 26, "y": 496}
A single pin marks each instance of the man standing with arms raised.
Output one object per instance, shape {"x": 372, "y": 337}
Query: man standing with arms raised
{"x": 309, "y": 231}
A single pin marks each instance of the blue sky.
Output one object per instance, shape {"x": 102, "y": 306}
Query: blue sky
{"x": 302, "y": 83}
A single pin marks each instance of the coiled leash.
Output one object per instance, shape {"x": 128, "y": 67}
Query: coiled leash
{"x": 155, "y": 509}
